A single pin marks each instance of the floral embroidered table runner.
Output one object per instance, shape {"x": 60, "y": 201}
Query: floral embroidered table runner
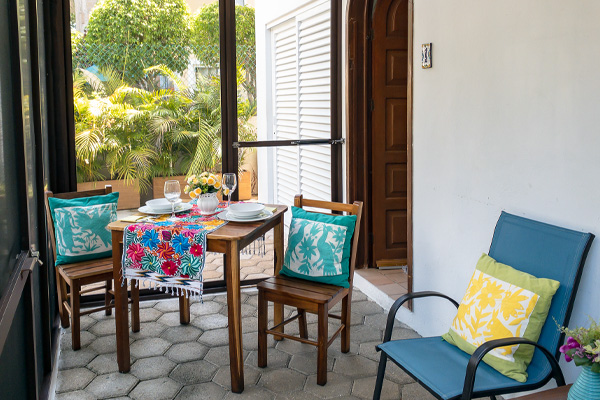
{"x": 169, "y": 255}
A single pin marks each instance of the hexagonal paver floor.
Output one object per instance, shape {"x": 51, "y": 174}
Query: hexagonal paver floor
{"x": 171, "y": 361}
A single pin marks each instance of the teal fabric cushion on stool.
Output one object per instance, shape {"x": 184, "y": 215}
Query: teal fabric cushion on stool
{"x": 80, "y": 227}
{"x": 319, "y": 247}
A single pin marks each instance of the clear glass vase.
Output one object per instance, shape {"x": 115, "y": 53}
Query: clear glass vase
{"x": 586, "y": 386}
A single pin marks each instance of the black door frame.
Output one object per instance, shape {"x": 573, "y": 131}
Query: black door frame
{"x": 26, "y": 305}
{"x": 336, "y": 137}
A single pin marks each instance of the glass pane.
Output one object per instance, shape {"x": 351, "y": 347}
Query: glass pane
{"x": 147, "y": 94}
{"x": 284, "y": 91}
{"x": 10, "y": 180}
{"x": 147, "y": 97}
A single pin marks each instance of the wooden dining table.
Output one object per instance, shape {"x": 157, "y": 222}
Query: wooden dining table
{"x": 229, "y": 240}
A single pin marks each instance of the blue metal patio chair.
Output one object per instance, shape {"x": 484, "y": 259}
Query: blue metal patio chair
{"x": 542, "y": 250}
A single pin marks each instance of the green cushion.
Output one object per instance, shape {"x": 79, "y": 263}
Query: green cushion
{"x": 319, "y": 247}
{"x": 80, "y": 227}
{"x": 502, "y": 302}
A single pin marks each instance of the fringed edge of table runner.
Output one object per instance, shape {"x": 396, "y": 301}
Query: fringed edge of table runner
{"x": 174, "y": 285}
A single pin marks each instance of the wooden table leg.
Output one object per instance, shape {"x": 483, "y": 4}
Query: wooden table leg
{"x": 184, "y": 309}
{"x": 234, "y": 315}
{"x": 278, "y": 260}
{"x": 121, "y": 306}
{"x": 75, "y": 330}
{"x": 135, "y": 306}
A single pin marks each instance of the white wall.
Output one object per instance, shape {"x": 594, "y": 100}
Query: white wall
{"x": 507, "y": 119}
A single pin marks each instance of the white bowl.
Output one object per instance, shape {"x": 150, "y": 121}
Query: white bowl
{"x": 246, "y": 209}
{"x": 160, "y": 204}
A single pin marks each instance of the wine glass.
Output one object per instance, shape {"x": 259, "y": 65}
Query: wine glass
{"x": 172, "y": 194}
{"x": 230, "y": 183}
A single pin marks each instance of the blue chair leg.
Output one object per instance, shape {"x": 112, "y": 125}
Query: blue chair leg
{"x": 380, "y": 376}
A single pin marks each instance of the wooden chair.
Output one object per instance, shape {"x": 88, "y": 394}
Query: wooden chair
{"x": 308, "y": 296}
{"x": 71, "y": 277}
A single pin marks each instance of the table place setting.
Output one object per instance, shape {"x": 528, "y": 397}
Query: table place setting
{"x": 166, "y": 247}
{"x": 246, "y": 212}
{"x": 167, "y": 250}
{"x": 164, "y": 206}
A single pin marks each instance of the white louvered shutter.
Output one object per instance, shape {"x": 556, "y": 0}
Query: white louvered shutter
{"x": 301, "y": 103}
{"x": 314, "y": 59}
{"x": 285, "y": 107}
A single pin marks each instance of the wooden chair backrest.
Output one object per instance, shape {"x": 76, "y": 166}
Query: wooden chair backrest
{"x": 67, "y": 196}
{"x": 350, "y": 209}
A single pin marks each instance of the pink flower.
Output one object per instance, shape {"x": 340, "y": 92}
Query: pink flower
{"x": 190, "y": 232}
{"x": 135, "y": 252}
{"x": 136, "y": 265}
{"x": 169, "y": 267}
{"x": 197, "y": 250}
{"x": 571, "y": 344}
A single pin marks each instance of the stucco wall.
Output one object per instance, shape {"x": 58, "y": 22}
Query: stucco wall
{"x": 507, "y": 119}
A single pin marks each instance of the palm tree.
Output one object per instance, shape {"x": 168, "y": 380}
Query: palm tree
{"x": 135, "y": 134}
{"x": 111, "y": 133}
{"x": 196, "y": 114}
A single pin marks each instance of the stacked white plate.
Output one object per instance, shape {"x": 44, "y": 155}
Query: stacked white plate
{"x": 245, "y": 212}
{"x": 163, "y": 206}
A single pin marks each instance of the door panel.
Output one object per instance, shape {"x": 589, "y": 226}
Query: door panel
{"x": 298, "y": 140}
{"x": 389, "y": 132}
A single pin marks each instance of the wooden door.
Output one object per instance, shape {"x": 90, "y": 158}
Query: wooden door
{"x": 389, "y": 130}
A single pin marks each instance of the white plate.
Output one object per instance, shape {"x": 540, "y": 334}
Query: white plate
{"x": 178, "y": 208}
{"x": 226, "y": 216}
{"x": 246, "y": 210}
{"x": 162, "y": 204}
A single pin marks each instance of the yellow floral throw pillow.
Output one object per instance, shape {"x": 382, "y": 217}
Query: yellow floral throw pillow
{"x": 502, "y": 302}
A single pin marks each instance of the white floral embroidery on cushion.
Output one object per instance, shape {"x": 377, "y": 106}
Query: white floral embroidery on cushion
{"x": 316, "y": 248}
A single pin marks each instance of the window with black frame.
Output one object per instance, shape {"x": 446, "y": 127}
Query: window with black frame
{"x": 228, "y": 87}
{"x": 289, "y": 133}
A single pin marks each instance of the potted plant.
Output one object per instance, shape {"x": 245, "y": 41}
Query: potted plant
{"x": 583, "y": 347}
{"x": 203, "y": 189}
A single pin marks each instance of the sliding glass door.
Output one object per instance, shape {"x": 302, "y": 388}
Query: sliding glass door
{"x": 289, "y": 135}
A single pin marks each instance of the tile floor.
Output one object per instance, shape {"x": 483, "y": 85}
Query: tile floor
{"x": 171, "y": 361}
{"x": 392, "y": 282}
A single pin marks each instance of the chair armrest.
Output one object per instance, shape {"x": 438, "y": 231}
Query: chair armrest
{"x": 485, "y": 348}
{"x": 401, "y": 300}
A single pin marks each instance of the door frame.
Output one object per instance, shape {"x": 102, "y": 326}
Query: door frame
{"x": 358, "y": 97}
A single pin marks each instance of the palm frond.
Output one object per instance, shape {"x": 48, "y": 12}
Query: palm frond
{"x": 166, "y": 71}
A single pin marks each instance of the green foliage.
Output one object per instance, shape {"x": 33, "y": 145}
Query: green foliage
{"x": 583, "y": 345}
{"x": 111, "y": 131}
{"x": 129, "y": 133}
{"x": 76, "y": 38}
{"x": 142, "y": 32}
{"x": 205, "y": 35}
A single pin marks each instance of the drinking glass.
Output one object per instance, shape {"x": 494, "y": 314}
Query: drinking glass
{"x": 229, "y": 182}
{"x": 172, "y": 194}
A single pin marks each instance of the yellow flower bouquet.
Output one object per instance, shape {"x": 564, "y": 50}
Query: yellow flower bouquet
{"x": 205, "y": 183}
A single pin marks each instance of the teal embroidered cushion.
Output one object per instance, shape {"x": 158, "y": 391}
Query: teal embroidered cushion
{"x": 319, "y": 247}
{"x": 80, "y": 227}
